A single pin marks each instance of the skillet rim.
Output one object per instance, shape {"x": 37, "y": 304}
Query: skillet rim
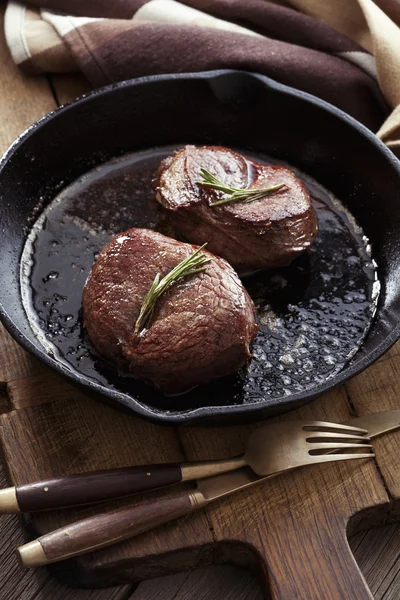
{"x": 205, "y": 414}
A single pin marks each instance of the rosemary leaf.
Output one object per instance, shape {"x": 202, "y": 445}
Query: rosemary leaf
{"x": 235, "y": 194}
{"x": 195, "y": 263}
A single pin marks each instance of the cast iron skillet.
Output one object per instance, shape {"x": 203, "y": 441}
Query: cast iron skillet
{"x": 231, "y": 108}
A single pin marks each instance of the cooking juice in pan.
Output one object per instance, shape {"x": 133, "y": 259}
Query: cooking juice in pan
{"x": 313, "y": 315}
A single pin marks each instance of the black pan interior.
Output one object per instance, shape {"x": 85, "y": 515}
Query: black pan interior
{"x": 313, "y": 315}
{"x": 234, "y": 109}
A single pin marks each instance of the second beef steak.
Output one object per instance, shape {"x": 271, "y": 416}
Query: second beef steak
{"x": 267, "y": 233}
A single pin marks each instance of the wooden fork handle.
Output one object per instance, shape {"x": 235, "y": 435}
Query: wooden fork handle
{"x": 88, "y": 488}
{"x": 107, "y": 528}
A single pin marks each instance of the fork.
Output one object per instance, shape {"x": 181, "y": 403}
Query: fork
{"x": 273, "y": 447}
{"x": 291, "y": 444}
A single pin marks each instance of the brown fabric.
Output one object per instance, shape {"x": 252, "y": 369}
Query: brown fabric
{"x": 113, "y": 9}
{"x": 277, "y": 22}
{"x": 345, "y": 16}
{"x": 374, "y": 25}
{"x": 347, "y": 86}
{"x": 323, "y": 48}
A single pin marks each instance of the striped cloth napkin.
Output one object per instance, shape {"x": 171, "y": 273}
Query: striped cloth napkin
{"x": 344, "y": 51}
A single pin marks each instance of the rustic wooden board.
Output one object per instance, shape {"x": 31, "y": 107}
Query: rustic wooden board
{"x": 292, "y": 531}
{"x": 211, "y": 583}
{"x": 74, "y": 434}
{"x": 17, "y": 583}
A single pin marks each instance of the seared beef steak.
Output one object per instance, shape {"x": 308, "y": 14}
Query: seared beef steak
{"x": 201, "y": 327}
{"x": 266, "y": 233}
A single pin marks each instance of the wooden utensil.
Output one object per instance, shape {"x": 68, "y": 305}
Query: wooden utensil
{"x": 291, "y": 444}
{"x": 272, "y": 448}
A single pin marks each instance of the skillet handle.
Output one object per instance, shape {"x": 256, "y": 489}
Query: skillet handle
{"x": 108, "y": 528}
{"x": 88, "y": 488}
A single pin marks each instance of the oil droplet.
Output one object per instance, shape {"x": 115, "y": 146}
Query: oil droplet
{"x": 49, "y": 276}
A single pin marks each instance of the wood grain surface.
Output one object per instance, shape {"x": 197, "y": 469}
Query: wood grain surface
{"x": 291, "y": 532}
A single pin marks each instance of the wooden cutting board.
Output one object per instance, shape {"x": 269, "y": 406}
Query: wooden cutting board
{"x": 292, "y": 530}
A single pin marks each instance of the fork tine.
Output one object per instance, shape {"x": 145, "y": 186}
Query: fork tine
{"x": 315, "y": 435}
{"x": 326, "y": 426}
{"x": 321, "y": 458}
{"x": 335, "y": 446}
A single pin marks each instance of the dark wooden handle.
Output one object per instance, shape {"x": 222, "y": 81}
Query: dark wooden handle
{"x": 107, "y": 528}
{"x": 94, "y": 487}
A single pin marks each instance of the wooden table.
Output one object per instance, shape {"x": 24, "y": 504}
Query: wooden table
{"x": 22, "y": 101}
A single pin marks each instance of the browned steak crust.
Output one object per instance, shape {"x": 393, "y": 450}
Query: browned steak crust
{"x": 202, "y": 326}
{"x": 266, "y": 233}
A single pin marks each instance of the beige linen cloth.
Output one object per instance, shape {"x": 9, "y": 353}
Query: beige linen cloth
{"x": 344, "y": 51}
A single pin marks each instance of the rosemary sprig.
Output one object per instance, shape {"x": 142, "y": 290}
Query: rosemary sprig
{"x": 235, "y": 194}
{"x": 195, "y": 263}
